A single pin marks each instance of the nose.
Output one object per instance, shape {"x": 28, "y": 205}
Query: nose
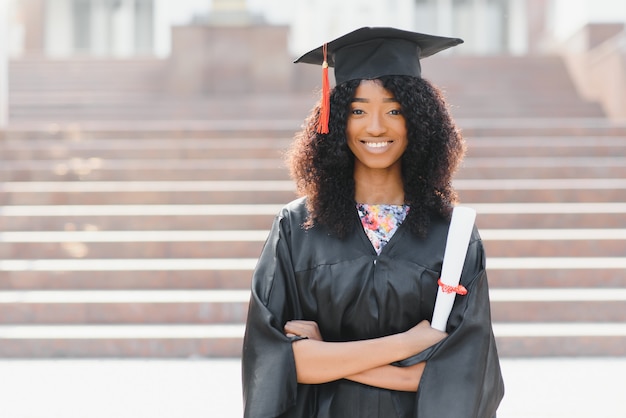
{"x": 376, "y": 125}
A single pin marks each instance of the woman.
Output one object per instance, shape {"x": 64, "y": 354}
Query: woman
{"x": 346, "y": 283}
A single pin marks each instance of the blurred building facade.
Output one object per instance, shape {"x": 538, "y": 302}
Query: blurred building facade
{"x": 126, "y": 28}
{"x": 226, "y": 47}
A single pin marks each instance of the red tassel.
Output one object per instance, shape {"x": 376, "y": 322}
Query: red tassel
{"x": 322, "y": 124}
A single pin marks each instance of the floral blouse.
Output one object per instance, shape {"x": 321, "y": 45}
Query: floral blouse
{"x": 381, "y": 222}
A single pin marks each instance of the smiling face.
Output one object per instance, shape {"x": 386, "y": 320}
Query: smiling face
{"x": 376, "y": 129}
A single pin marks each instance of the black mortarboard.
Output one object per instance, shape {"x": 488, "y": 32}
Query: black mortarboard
{"x": 369, "y": 53}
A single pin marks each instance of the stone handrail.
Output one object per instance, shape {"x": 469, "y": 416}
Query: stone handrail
{"x": 599, "y": 69}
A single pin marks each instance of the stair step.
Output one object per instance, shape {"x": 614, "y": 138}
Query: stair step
{"x": 260, "y": 235}
{"x": 514, "y": 340}
{"x": 93, "y": 156}
{"x": 238, "y": 192}
{"x": 248, "y": 243}
{"x": 497, "y": 295}
{"x": 172, "y": 264}
{"x": 219, "y": 222}
{"x": 561, "y": 339}
{"x": 98, "y": 169}
{"x": 24, "y": 279}
{"x": 190, "y": 312}
{"x": 259, "y": 147}
{"x": 131, "y": 279}
{"x": 258, "y": 216}
{"x": 263, "y": 197}
{"x": 473, "y": 127}
{"x": 230, "y": 306}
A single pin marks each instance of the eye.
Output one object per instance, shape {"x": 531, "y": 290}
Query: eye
{"x": 395, "y": 112}
{"x": 357, "y": 112}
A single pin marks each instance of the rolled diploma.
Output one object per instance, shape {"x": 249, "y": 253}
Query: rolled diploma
{"x": 459, "y": 234}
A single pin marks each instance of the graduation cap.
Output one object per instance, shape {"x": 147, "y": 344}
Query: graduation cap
{"x": 369, "y": 53}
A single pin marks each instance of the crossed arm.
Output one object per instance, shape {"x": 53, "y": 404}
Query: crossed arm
{"x": 365, "y": 361}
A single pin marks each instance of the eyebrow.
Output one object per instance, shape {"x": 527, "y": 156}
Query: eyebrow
{"x": 385, "y": 100}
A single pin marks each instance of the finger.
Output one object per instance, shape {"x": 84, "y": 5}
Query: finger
{"x": 292, "y": 330}
{"x": 293, "y": 324}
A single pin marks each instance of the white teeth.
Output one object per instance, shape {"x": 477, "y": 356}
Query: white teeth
{"x": 377, "y": 144}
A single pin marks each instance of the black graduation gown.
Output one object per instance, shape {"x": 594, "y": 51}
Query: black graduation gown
{"x": 353, "y": 294}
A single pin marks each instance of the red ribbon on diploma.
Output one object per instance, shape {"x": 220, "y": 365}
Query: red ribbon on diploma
{"x": 446, "y": 288}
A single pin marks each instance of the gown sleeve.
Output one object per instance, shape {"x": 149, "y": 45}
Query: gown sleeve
{"x": 268, "y": 366}
{"x": 462, "y": 377}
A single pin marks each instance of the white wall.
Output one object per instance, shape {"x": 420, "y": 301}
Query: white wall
{"x": 569, "y": 16}
{"x": 280, "y": 12}
{"x": 316, "y": 21}
{"x": 4, "y": 64}
{"x": 59, "y": 28}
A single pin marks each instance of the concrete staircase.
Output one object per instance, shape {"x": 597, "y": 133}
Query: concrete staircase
{"x": 125, "y": 237}
{"x": 83, "y": 91}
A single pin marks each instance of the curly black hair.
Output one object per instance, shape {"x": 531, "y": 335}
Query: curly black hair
{"x": 322, "y": 165}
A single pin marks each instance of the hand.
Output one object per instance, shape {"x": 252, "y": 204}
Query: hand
{"x": 301, "y": 328}
{"x": 423, "y": 335}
